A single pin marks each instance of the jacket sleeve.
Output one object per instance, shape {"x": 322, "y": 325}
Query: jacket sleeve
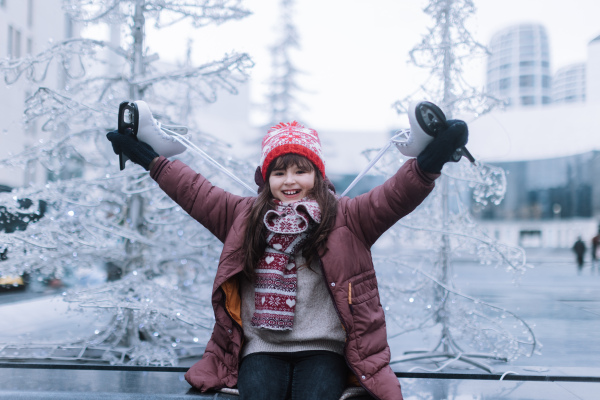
{"x": 369, "y": 215}
{"x": 210, "y": 205}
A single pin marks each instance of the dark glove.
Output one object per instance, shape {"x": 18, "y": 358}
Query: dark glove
{"x": 444, "y": 145}
{"x": 139, "y": 152}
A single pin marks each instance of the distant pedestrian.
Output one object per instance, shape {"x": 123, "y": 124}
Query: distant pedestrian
{"x": 579, "y": 249}
{"x": 595, "y": 251}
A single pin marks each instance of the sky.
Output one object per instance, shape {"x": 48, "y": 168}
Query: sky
{"x": 354, "y": 54}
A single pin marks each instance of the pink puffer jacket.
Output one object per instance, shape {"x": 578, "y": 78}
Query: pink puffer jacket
{"x": 347, "y": 266}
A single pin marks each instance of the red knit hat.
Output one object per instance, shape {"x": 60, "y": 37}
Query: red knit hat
{"x": 291, "y": 137}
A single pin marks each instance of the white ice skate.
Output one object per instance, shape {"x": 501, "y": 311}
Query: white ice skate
{"x": 136, "y": 118}
{"x": 426, "y": 121}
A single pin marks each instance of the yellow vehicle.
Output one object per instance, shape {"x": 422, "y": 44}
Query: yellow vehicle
{"x": 15, "y": 281}
{"x": 7, "y": 282}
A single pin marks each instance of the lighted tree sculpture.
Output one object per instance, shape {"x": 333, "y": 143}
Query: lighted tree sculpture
{"x": 96, "y": 214}
{"x": 442, "y": 228}
{"x": 282, "y": 103}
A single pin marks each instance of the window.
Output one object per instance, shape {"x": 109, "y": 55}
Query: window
{"x": 504, "y": 83}
{"x": 526, "y": 38}
{"x": 527, "y": 81}
{"x": 9, "y": 42}
{"x": 13, "y": 43}
{"x": 30, "y": 13}
{"x": 527, "y": 51}
{"x": 532, "y": 238}
{"x": 69, "y": 28}
{"x": 17, "y": 44}
{"x": 527, "y": 100}
{"x": 546, "y": 81}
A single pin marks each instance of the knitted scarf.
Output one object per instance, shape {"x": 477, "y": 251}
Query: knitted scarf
{"x": 276, "y": 278}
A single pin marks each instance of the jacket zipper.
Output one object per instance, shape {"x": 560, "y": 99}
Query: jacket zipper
{"x": 345, "y": 327}
{"x": 235, "y": 324}
{"x": 224, "y": 304}
{"x": 350, "y": 297}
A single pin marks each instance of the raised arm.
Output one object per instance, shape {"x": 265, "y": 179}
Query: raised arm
{"x": 210, "y": 205}
{"x": 372, "y": 213}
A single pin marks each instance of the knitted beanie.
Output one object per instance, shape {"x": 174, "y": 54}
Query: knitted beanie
{"x": 291, "y": 137}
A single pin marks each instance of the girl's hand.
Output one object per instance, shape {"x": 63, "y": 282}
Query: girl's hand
{"x": 444, "y": 145}
{"x": 139, "y": 152}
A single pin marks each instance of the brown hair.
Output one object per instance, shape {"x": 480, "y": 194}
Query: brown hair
{"x": 255, "y": 240}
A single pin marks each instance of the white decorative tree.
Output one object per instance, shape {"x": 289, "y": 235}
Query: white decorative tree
{"x": 282, "y": 103}
{"x": 443, "y": 51}
{"x": 96, "y": 214}
{"x": 468, "y": 328}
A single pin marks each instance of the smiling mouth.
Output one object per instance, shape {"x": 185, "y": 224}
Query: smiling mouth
{"x": 290, "y": 192}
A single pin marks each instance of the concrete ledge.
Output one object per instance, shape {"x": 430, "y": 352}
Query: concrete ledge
{"x": 103, "y": 382}
{"x": 25, "y": 395}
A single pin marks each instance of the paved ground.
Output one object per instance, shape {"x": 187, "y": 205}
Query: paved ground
{"x": 562, "y": 306}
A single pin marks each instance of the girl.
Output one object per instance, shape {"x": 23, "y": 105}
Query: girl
{"x": 295, "y": 296}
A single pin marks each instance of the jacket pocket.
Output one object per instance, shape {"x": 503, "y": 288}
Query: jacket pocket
{"x": 362, "y": 288}
{"x": 367, "y": 314}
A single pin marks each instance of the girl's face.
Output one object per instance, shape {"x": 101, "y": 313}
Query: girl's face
{"x": 292, "y": 183}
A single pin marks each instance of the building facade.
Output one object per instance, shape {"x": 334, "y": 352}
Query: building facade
{"x": 568, "y": 84}
{"x": 548, "y": 189}
{"x": 551, "y": 154}
{"x": 592, "y": 84}
{"x": 519, "y": 71}
{"x": 548, "y": 202}
{"x": 27, "y": 27}
{"x": 518, "y": 68}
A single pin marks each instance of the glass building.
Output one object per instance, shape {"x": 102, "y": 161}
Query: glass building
{"x": 568, "y": 85}
{"x": 518, "y": 69}
{"x": 562, "y": 187}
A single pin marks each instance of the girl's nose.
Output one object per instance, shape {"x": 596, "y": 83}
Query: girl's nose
{"x": 289, "y": 178}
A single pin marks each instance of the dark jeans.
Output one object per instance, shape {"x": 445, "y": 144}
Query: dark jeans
{"x": 304, "y": 375}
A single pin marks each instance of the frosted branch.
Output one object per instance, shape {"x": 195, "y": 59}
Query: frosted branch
{"x": 165, "y": 12}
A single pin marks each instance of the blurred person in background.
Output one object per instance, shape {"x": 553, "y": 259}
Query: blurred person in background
{"x": 579, "y": 249}
{"x": 595, "y": 243}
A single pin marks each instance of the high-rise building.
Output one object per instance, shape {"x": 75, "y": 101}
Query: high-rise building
{"x": 518, "y": 69}
{"x": 592, "y": 84}
{"x": 568, "y": 84}
{"x": 27, "y": 27}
